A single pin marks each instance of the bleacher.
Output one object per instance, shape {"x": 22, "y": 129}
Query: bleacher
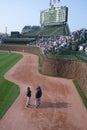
{"x": 46, "y": 31}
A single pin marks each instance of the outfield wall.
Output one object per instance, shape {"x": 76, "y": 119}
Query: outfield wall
{"x": 22, "y": 48}
{"x": 67, "y": 68}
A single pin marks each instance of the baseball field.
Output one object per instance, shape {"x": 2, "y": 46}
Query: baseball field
{"x": 61, "y": 106}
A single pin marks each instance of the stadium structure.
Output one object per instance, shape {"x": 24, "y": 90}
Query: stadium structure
{"x": 53, "y": 21}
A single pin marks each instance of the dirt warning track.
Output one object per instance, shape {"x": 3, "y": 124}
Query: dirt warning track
{"x": 61, "y": 107}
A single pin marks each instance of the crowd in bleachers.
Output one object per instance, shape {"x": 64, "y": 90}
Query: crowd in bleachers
{"x": 53, "y": 45}
{"x": 79, "y": 36}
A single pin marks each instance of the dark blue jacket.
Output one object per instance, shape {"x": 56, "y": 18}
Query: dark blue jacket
{"x": 38, "y": 93}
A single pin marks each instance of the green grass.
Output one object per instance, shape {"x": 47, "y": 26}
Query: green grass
{"x": 8, "y": 90}
{"x": 84, "y": 99}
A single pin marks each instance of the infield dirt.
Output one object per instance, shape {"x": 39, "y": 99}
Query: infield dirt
{"x": 61, "y": 106}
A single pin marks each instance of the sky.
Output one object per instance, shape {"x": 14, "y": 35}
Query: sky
{"x": 15, "y": 14}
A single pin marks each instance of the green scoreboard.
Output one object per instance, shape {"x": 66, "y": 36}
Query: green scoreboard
{"x": 54, "y": 16}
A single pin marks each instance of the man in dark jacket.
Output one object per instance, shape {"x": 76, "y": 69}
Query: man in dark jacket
{"x": 38, "y": 96}
{"x": 28, "y": 95}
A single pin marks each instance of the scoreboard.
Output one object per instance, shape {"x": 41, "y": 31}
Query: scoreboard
{"x": 54, "y": 16}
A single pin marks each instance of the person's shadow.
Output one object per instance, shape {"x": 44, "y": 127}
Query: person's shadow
{"x": 55, "y": 105}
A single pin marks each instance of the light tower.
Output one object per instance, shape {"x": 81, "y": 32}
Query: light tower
{"x": 6, "y": 30}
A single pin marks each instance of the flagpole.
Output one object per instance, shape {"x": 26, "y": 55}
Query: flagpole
{"x": 50, "y": 2}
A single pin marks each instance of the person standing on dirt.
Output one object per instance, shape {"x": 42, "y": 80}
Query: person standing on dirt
{"x": 28, "y": 95}
{"x": 38, "y": 96}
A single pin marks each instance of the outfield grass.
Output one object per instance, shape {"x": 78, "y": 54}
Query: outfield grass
{"x": 8, "y": 90}
{"x": 83, "y": 97}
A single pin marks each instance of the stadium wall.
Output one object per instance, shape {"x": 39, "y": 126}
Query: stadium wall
{"x": 67, "y": 68}
{"x": 21, "y": 48}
